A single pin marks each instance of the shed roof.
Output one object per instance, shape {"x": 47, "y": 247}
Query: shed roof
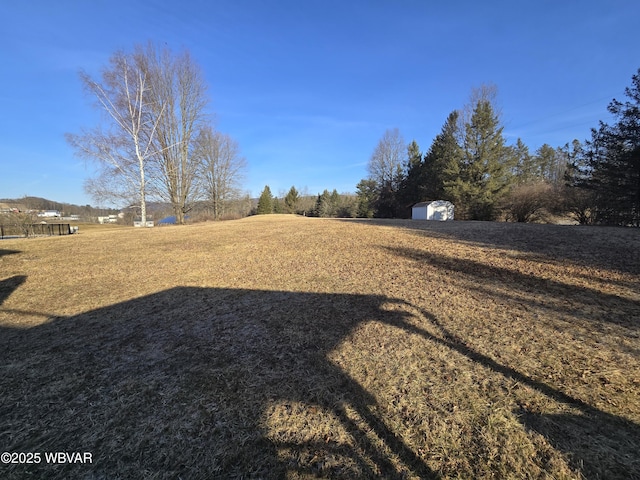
{"x": 437, "y": 202}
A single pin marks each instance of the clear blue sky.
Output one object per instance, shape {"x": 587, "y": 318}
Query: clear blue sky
{"x": 308, "y": 87}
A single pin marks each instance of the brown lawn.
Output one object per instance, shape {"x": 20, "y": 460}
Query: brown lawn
{"x": 288, "y": 347}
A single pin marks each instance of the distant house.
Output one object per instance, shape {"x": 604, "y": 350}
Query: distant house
{"x": 436, "y": 210}
{"x": 7, "y": 208}
{"x": 138, "y": 223}
{"x": 50, "y": 214}
{"x": 108, "y": 219}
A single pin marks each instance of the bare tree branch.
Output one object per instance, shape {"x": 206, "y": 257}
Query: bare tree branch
{"x": 386, "y": 163}
{"x": 125, "y": 149}
{"x": 178, "y": 100}
{"x": 223, "y": 168}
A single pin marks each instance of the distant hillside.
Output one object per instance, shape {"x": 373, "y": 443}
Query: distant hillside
{"x": 38, "y": 203}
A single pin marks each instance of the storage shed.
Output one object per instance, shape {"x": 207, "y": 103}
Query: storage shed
{"x": 436, "y": 210}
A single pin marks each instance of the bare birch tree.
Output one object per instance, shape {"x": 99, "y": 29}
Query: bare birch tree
{"x": 125, "y": 146}
{"x": 177, "y": 97}
{"x": 223, "y": 168}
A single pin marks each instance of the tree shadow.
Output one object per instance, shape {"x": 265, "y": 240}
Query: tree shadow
{"x": 187, "y": 383}
{"x": 599, "y": 444}
{"x": 209, "y": 383}
{"x": 588, "y": 305}
{"x": 9, "y": 285}
{"x": 613, "y": 248}
{"x": 4, "y": 251}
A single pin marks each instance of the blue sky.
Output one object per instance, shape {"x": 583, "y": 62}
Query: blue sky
{"x": 307, "y": 88}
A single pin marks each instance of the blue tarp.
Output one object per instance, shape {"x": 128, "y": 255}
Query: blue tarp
{"x": 170, "y": 220}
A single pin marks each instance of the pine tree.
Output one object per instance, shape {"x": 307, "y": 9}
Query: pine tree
{"x": 578, "y": 198}
{"x": 614, "y": 160}
{"x": 442, "y": 162}
{"x": 277, "y": 205}
{"x": 367, "y": 194}
{"x": 524, "y": 170}
{"x": 291, "y": 200}
{"x": 265, "y": 202}
{"x": 484, "y": 173}
{"x": 323, "y": 205}
{"x": 410, "y": 190}
{"x": 545, "y": 163}
{"x": 334, "y": 203}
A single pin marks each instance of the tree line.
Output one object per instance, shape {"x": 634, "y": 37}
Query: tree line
{"x": 470, "y": 164}
{"x": 325, "y": 204}
{"x": 156, "y": 140}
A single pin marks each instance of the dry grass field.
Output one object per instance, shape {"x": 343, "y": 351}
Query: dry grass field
{"x": 288, "y": 347}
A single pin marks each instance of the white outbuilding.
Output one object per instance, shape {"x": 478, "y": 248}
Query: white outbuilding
{"x": 436, "y": 210}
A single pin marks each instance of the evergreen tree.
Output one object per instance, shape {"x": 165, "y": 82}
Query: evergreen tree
{"x": 577, "y": 169}
{"x": 558, "y": 172}
{"x": 265, "y": 202}
{"x": 323, "y": 205}
{"x": 545, "y": 163}
{"x": 524, "y": 170}
{"x": 334, "y": 203}
{"x": 410, "y": 190}
{"x": 291, "y": 200}
{"x": 614, "y": 161}
{"x": 277, "y": 206}
{"x": 348, "y": 206}
{"x": 386, "y": 205}
{"x": 442, "y": 162}
{"x": 578, "y": 199}
{"x": 484, "y": 170}
{"x": 367, "y": 195}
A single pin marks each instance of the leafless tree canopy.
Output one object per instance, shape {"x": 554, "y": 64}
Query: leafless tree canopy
{"x": 178, "y": 100}
{"x": 385, "y": 165}
{"x": 223, "y": 169}
{"x": 157, "y": 141}
{"x": 125, "y": 146}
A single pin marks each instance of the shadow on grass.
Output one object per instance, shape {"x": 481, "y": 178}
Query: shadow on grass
{"x": 4, "y": 251}
{"x": 587, "y": 304}
{"x": 8, "y": 285}
{"x": 613, "y": 248}
{"x": 180, "y": 384}
{"x": 599, "y": 444}
{"x": 209, "y": 383}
